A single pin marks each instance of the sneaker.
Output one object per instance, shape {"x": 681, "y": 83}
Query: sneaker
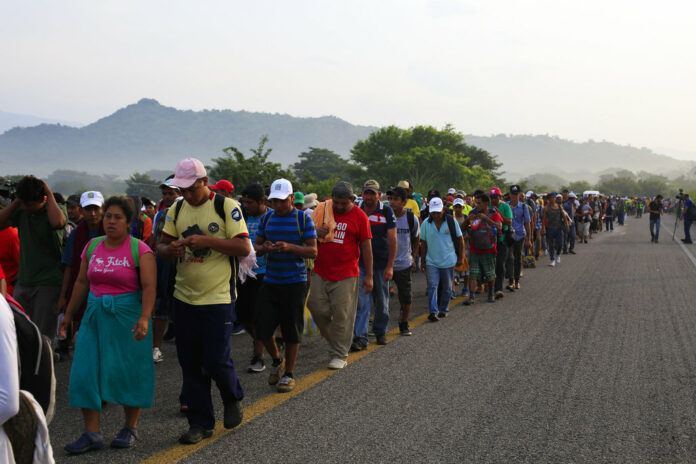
{"x": 510, "y": 287}
{"x": 381, "y": 339}
{"x": 517, "y": 285}
{"x": 286, "y": 384}
{"x": 233, "y": 415}
{"x": 256, "y": 365}
{"x": 404, "y": 329}
{"x": 469, "y": 301}
{"x": 433, "y": 317}
{"x": 87, "y": 441}
{"x": 125, "y": 438}
{"x": 558, "y": 260}
{"x": 357, "y": 345}
{"x": 195, "y": 434}
{"x": 572, "y": 252}
{"x": 371, "y": 333}
{"x": 499, "y": 294}
{"x": 238, "y": 330}
{"x": 491, "y": 298}
{"x": 441, "y": 315}
{"x": 157, "y": 355}
{"x": 453, "y": 294}
{"x": 465, "y": 292}
{"x": 275, "y": 370}
{"x": 337, "y": 363}
{"x": 552, "y": 263}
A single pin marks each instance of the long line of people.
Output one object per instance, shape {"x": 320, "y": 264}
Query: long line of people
{"x": 123, "y": 280}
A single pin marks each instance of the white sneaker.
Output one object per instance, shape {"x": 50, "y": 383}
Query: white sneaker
{"x": 552, "y": 263}
{"x": 558, "y": 260}
{"x": 157, "y": 355}
{"x": 337, "y": 363}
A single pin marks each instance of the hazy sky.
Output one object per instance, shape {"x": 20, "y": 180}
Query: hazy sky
{"x": 623, "y": 71}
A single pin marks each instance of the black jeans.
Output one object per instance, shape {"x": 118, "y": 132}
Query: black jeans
{"x": 500, "y": 261}
{"x": 514, "y": 260}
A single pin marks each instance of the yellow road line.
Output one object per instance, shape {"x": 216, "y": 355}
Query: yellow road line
{"x": 178, "y": 452}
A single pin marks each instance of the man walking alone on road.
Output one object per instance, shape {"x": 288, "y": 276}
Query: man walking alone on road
{"x": 655, "y": 210}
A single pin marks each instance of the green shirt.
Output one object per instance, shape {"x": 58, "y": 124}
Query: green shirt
{"x": 506, "y": 212}
{"x": 36, "y": 267}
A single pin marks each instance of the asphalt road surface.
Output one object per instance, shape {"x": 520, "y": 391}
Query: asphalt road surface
{"x": 591, "y": 361}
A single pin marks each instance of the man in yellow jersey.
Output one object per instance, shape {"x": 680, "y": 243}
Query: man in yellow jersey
{"x": 410, "y": 202}
{"x": 202, "y": 232}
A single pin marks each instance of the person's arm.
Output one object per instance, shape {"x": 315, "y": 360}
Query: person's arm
{"x": 237, "y": 246}
{"x": 308, "y": 250}
{"x": 6, "y": 214}
{"x": 63, "y": 300}
{"x": 78, "y": 297}
{"x": 3, "y": 287}
{"x": 366, "y": 253}
{"x": 391, "y": 243}
{"x": 9, "y": 380}
{"x": 423, "y": 253}
{"x": 56, "y": 218}
{"x": 543, "y": 221}
{"x": 148, "y": 282}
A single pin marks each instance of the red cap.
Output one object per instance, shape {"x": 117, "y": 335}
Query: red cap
{"x": 449, "y": 199}
{"x": 223, "y": 185}
{"x": 495, "y": 191}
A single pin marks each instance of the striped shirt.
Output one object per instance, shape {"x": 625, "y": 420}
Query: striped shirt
{"x": 286, "y": 268}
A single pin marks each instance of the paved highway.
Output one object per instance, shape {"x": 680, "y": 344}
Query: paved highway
{"x": 591, "y": 361}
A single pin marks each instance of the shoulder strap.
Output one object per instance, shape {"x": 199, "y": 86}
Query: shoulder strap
{"x": 177, "y": 209}
{"x": 411, "y": 218}
{"x": 266, "y": 218}
{"x": 135, "y": 251}
{"x": 304, "y": 223}
{"x": 93, "y": 246}
{"x": 452, "y": 230}
{"x": 219, "y": 204}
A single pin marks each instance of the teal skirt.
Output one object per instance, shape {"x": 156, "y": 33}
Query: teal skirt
{"x": 109, "y": 365}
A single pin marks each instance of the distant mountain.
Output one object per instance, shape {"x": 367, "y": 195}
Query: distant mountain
{"x": 11, "y": 120}
{"x": 148, "y": 135}
{"x": 523, "y": 155}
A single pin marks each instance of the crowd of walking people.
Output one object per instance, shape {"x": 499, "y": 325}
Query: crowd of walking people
{"x": 109, "y": 279}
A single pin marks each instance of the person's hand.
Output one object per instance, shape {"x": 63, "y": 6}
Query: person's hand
{"x": 543, "y": 231}
{"x": 322, "y": 231}
{"x": 528, "y": 243}
{"x": 139, "y": 329}
{"x": 414, "y": 267}
{"x": 388, "y": 274}
{"x": 62, "y": 304}
{"x": 281, "y": 247}
{"x": 266, "y": 247}
{"x": 178, "y": 248}
{"x": 367, "y": 283}
{"x": 63, "y": 327}
{"x": 196, "y": 242}
{"x": 459, "y": 263}
{"x": 423, "y": 266}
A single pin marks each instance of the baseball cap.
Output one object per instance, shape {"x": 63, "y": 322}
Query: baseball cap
{"x": 459, "y": 202}
{"x": 404, "y": 184}
{"x": 168, "y": 184}
{"x": 73, "y": 199}
{"x": 515, "y": 188}
{"x": 371, "y": 185}
{"x": 495, "y": 191}
{"x": 529, "y": 194}
{"x": 254, "y": 191}
{"x": 299, "y": 198}
{"x": 460, "y": 193}
{"x": 572, "y": 195}
{"x": 435, "y": 205}
{"x": 91, "y": 198}
{"x": 398, "y": 192}
{"x": 224, "y": 185}
{"x": 558, "y": 195}
{"x": 451, "y": 191}
{"x": 187, "y": 172}
{"x": 449, "y": 199}
{"x": 280, "y": 189}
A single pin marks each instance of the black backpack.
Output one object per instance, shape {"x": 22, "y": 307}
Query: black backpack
{"x": 35, "y": 359}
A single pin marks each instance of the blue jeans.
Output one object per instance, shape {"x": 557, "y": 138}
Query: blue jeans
{"x": 569, "y": 238}
{"x": 436, "y": 276}
{"x": 655, "y": 228}
{"x": 380, "y": 297}
{"x": 555, "y": 239}
{"x": 687, "y": 232}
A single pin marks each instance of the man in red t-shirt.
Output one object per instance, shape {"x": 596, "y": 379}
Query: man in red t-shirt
{"x": 9, "y": 256}
{"x": 333, "y": 295}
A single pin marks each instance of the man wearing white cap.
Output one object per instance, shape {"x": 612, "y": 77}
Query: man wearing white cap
{"x": 442, "y": 247}
{"x": 91, "y": 226}
{"x": 203, "y": 232}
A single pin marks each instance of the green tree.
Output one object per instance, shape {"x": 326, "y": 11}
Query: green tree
{"x": 427, "y": 156}
{"x": 143, "y": 185}
{"x": 319, "y": 164}
{"x": 235, "y": 167}
{"x": 578, "y": 186}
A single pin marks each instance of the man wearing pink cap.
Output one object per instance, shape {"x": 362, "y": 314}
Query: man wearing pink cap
{"x": 203, "y": 232}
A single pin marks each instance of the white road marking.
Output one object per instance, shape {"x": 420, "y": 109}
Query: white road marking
{"x": 683, "y": 247}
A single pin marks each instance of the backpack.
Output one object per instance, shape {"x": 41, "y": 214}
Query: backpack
{"x": 691, "y": 213}
{"x": 411, "y": 218}
{"x": 35, "y": 359}
{"x": 484, "y": 236}
{"x": 219, "y": 205}
{"x": 451, "y": 225}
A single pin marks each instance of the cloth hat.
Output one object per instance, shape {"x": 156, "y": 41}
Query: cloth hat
{"x": 311, "y": 200}
{"x": 460, "y": 193}
{"x": 168, "y": 184}
{"x": 435, "y": 205}
{"x": 529, "y": 193}
{"x": 572, "y": 195}
{"x": 371, "y": 185}
{"x": 449, "y": 199}
{"x": 451, "y": 191}
{"x": 400, "y": 192}
{"x": 458, "y": 201}
{"x": 558, "y": 195}
{"x": 224, "y": 185}
{"x": 515, "y": 189}
{"x": 280, "y": 189}
{"x": 404, "y": 184}
{"x": 495, "y": 191}
{"x": 187, "y": 172}
{"x": 299, "y": 198}
{"x": 91, "y": 198}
